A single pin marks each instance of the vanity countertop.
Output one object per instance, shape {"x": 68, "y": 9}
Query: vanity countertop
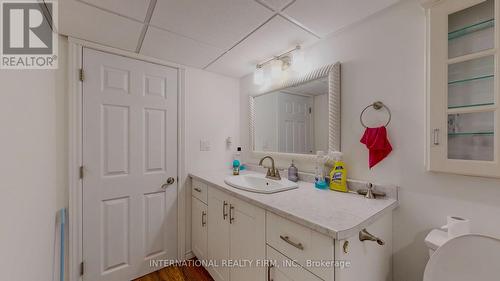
{"x": 338, "y": 215}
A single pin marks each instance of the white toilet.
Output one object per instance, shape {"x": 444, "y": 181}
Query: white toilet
{"x": 470, "y": 257}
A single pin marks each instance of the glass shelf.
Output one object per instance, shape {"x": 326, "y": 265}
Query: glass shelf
{"x": 471, "y": 105}
{"x": 471, "y": 79}
{"x": 471, "y": 28}
{"x": 471, "y": 134}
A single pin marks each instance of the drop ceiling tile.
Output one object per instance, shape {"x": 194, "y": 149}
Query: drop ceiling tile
{"x": 327, "y": 16}
{"x": 83, "y": 21}
{"x": 277, "y": 5}
{"x": 135, "y": 9}
{"x": 169, "y": 46}
{"x": 275, "y": 37}
{"x": 220, "y": 23}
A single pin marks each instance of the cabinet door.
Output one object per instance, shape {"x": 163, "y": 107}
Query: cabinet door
{"x": 463, "y": 87}
{"x": 247, "y": 240}
{"x": 218, "y": 233}
{"x": 199, "y": 228}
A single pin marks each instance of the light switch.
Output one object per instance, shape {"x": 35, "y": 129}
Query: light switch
{"x": 204, "y": 145}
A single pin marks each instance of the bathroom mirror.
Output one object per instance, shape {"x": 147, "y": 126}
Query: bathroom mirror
{"x": 298, "y": 118}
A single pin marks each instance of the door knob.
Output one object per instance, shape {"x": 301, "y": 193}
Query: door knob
{"x": 169, "y": 181}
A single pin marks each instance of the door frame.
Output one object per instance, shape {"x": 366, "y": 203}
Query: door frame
{"x": 75, "y": 147}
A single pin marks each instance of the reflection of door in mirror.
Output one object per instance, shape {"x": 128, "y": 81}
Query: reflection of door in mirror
{"x": 294, "y": 123}
{"x": 293, "y": 120}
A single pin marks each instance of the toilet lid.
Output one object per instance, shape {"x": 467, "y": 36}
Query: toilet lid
{"x": 465, "y": 258}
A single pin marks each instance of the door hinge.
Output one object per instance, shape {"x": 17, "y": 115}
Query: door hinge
{"x": 82, "y": 268}
{"x": 81, "y": 172}
{"x": 81, "y": 75}
{"x": 310, "y": 110}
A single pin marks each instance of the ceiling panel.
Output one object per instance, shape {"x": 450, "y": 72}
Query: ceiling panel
{"x": 277, "y": 5}
{"x": 135, "y": 9}
{"x": 220, "y": 23}
{"x": 83, "y": 21}
{"x": 326, "y": 16}
{"x": 172, "y": 47}
{"x": 277, "y": 36}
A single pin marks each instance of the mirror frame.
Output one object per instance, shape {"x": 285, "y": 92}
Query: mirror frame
{"x": 331, "y": 71}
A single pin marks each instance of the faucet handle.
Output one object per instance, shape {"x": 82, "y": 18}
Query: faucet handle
{"x": 269, "y": 173}
{"x": 277, "y": 174}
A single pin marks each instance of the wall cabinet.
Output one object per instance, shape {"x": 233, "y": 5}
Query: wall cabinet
{"x": 463, "y": 93}
{"x": 227, "y": 230}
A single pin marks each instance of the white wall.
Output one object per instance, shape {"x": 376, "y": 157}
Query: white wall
{"x": 384, "y": 59}
{"x": 33, "y": 168}
{"x": 212, "y": 113}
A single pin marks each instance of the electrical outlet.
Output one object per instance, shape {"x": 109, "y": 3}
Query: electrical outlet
{"x": 204, "y": 145}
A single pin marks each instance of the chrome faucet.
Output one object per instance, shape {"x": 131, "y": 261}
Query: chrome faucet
{"x": 272, "y": 173}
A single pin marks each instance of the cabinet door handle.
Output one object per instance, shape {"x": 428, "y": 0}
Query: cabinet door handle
{"x": 435, "y": 136}
{"x": 269, "y": 272}
{"x": 224, "y": 213}
{"x": 203, "y": 220}
{"x": 231, "y": 217}
{"x": 197, "y": 189}
{"x": 296, "y": 245}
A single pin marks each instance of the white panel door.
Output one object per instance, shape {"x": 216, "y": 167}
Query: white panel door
{"x": 129, "y": 152}
{"x": 295, "y": 123}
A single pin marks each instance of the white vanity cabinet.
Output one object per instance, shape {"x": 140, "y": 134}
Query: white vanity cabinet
{"x": 228, "y": 229}
{"x": 236, "y": 233}
{"x": 462, "y": 85}
{"x": 199, "y": 228}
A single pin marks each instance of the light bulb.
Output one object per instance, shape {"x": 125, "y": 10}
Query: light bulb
{"x": 276, "y": 68}
{"x": 298, "y": 60}
{"x": 258, "y": 76}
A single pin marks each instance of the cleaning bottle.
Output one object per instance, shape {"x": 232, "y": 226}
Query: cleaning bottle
{"x": 338, "y": 174}
{"x": 319, "y": 178}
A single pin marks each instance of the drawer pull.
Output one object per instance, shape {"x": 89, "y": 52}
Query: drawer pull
{"x": 296, "y": 245}
{"x": 197, "y": 189}
{"x": 224, "y": 213}
{"x": 269, "y": 272}
{"x": 203, "y": 221}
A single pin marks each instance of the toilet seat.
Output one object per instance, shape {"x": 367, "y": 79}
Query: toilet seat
{"x": 470, "y": 257}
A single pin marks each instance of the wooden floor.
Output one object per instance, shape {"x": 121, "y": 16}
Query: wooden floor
{"x": 178, "y": 273}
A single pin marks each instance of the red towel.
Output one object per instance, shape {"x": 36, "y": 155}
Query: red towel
{"x": 377, "y": 143}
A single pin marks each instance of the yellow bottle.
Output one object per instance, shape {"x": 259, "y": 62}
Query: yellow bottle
{"x": 338, "y": 175}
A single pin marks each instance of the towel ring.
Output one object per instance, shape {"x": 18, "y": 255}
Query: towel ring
{"x": 377, "y": 106}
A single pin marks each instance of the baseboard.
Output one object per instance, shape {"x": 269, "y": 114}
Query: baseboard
{"x": 189, "y": 255}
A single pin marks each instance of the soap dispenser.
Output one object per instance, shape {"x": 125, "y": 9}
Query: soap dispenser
{"x": 293, "y": 173}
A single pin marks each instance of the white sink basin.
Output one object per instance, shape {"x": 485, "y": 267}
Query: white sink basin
{"x": 259, "y": 183}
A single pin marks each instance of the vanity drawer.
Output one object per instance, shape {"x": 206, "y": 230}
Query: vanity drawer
{"x": 199, "y": 190}
{"x": 286, "y": 270}
{"x": 300, "y": 243}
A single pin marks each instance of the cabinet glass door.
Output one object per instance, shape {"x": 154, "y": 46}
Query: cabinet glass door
{"x": 472, "y": 83}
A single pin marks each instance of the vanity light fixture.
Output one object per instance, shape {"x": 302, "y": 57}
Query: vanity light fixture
{"x": 258, "y": 75}
{"x": 278, "y": 64}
